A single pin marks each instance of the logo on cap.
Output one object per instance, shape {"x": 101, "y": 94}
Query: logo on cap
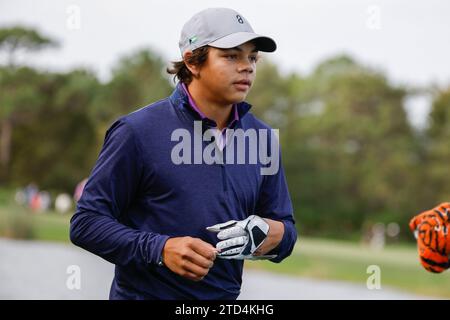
{"x": 192, "y": 39}
{"x": 239, "y": 19}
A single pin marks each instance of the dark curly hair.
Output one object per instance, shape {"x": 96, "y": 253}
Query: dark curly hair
{"x": 181, "y": 71}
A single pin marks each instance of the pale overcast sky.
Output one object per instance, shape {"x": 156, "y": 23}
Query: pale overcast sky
{"x": 409, "y": 40}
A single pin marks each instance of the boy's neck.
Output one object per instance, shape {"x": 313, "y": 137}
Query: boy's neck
{"x": 209, "y": 106}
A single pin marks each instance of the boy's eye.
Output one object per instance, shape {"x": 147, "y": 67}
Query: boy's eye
{"x": 235, "y": 57}
{"x": 231, "y": 56}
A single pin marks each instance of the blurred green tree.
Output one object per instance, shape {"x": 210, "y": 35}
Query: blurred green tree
{"x": 348, "y": 148}
{"x": 58, "y": 148}
{"x": 137, "y": 80}
{"x": 17, "y": 94}
{"x": 438, "y": 150}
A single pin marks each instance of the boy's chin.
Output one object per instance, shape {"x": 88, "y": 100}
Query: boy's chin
{"x": 239, "y": 97}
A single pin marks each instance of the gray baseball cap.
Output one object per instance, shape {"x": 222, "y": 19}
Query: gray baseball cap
{"x": 221, "y": 28}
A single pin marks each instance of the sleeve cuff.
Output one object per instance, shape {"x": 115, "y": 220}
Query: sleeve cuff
{"x": 158, "y": 257}
{"x": 282, "y": 250}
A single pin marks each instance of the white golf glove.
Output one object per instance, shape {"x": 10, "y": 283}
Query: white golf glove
{"x": 241, "y": 238}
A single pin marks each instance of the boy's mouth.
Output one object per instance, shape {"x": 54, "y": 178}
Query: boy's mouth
{"x": 242, "y": 85}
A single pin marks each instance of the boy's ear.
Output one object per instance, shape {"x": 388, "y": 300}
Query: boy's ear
{"x": 195, "y": 70}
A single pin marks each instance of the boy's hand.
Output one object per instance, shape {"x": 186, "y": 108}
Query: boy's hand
{"x": 189, "y": 257}
{"x": 242, "y": 239}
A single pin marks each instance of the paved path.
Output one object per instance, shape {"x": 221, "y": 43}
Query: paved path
{"x": 39, "y": 270}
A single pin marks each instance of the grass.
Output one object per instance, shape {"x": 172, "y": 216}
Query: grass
{"x": 348, "y": 261}
{"x": 314, "y": 258}
{"x": 52, "y": 227}
{"x": 19, "y": 222}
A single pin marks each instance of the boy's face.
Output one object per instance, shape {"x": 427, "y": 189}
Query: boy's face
{"x": 227, "y": 74}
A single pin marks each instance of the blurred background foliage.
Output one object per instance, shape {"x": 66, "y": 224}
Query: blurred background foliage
{"x": 351, "y": 156}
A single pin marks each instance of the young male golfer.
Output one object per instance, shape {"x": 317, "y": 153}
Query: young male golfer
{"x": 165, "y": 202}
